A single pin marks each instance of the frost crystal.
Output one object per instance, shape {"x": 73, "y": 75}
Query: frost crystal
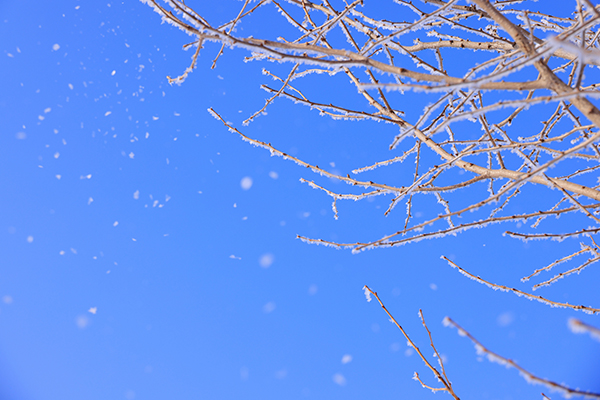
{"x": 367, "y": 293}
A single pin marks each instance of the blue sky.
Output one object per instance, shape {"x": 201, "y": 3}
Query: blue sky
{"x": 148, "y": 253}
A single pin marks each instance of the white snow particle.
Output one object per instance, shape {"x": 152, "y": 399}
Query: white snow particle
{"x": 246, "y": 183}
{"x": 266, "y": 260}
{"x": 269, "y": 307}
{"x": 281, "y": 374}
{"x": 505, "y": 319}
{"x": 56, "y": 46}
{"x": 82, "y": 321}
{"x": 339, "y": 379}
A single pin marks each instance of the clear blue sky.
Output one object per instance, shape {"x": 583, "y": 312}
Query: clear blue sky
{"x": 136, "y": 263}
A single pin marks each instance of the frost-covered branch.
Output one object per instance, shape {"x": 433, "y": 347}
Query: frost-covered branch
{"x": 507, "y": 102}
{"x": 441, "y": 377}
{"x": 528, "y": 376}
{"x": 586, "y": 309}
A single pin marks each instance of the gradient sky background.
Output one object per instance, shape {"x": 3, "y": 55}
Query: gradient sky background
{"x": 136, "y": 263}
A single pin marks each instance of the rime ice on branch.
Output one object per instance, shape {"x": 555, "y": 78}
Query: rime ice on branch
{"x": 491, "y": 94}
{"x": 525, "y": 62}
{"x": 474, "y": 140}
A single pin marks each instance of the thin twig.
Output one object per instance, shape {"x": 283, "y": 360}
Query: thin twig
{"x": 586, "y": 309}
{"x": 529, "y": 377}
{"x": 445, "y": 382}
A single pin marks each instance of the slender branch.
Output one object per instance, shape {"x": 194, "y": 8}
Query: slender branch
{"x": 529, "y": 377}
{"x": 578, "y": 326}
{"x": 586, "y": 309}
{"x": 447, "y": 386}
